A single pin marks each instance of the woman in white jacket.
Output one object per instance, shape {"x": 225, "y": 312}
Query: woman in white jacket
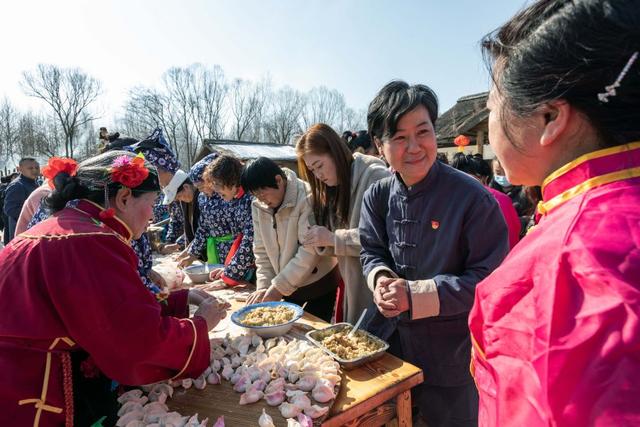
{"x": 338, "y": 181}
{"x": 281, "y": 212}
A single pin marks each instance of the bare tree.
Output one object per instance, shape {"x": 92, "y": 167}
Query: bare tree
{"x": 247, "y": 104}
{"x": 9, "y": 120}
{"x": 208, "y": 91}
{"x": 86, "y": 141}
{"x": 147, "y": 109}
{"x": 69, "y": 92}
{"x": 323, "y": 106}
{"x": 282, "y": 122}
{"x": 351, "y": 119}
{"x": 39, "y": 135}
{"x": 177, "y": 82}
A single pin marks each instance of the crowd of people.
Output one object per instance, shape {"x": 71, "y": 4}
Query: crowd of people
{"x": 525, "y": 268}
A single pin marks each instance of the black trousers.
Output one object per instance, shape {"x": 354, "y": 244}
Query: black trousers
{"x": 320, "y": 295}
{"x": 441, "y": 406}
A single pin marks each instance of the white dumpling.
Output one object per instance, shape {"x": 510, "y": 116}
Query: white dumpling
{"x": 250, "y": 396}
{"x": 274, "y": 385}
{"x": 161, "y": 387}
{"x": 130, "y": 416}
{"x": 301, "y": 401}
{"x": 304, "y": 421}
{"x": 265, "y": 420}
{"x": 289, "y": 410}
{"x": 307, "y": 382}
{"x": 275, "y": 397}
{"x": 323, "y": 391}
{"x": 213, "y": 378}
{"x": 200, "y": 383}
{"x": 129, "y": 406}
{"x": 130, "y": 395}
{"x": 256, "y": 340}
{"x": 242, "y": 384}
{"x": 315, "y": 411}
{"x": 227, "y": 371}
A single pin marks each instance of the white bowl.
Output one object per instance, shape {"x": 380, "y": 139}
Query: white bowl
{"x": 268, "y": 331}
{"x": 198, "y": 273}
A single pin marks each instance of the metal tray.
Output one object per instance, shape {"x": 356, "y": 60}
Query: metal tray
{"x": 316, "y": 336}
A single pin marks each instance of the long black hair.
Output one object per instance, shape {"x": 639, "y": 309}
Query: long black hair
{"x": 329, "y": 203}
{"x": 570, "y": 50}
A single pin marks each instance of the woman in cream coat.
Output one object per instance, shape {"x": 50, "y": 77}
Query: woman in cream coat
{"x": 338, "y": 181}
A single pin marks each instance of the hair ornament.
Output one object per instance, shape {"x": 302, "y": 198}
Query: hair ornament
{"x": 128, "y": 171}
{"x": 58, "y": 165}
{"x": 611, "y": 89}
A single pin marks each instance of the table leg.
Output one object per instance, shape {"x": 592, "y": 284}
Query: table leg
{"x": 403, "y": 409}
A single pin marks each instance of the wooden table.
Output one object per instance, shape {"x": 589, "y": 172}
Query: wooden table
{"x": 373, "y": 394}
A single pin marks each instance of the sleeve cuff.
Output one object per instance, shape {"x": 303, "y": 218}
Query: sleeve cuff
{"x": 371, "y": 277}
{"x": 177, "y": 304}
{"x": 198, "y": 358}
{"x": 424, "y": 301}
{"x": 229, "y": 281}
{"x": 339, "y": 242}
{"x": 284, "y": 288}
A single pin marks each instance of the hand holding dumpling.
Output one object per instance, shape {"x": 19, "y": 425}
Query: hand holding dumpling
{"x": 213, "y": 311}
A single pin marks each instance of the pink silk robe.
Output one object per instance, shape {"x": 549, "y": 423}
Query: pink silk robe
{"x": 70, "y": 283}
{"x": 556, "y": 329}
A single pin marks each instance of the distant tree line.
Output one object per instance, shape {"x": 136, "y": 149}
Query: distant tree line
{"x": 191, "y": 104}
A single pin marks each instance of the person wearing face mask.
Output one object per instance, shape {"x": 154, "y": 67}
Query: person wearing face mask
{"x": 555, "y": 328}
{"x": 479, "y": 169}
{"x": 338, "y": 180}
{"x": 516, "y": 193}
{"x": 429, "y": 234}
{"x": 281, "y": 212}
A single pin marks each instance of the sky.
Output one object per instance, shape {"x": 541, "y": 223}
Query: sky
{"x": 354, "y": 46}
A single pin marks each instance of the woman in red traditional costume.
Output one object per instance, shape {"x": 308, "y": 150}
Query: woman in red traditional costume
{"x": 556, "y": 328}
{"x": 75, "y": 313}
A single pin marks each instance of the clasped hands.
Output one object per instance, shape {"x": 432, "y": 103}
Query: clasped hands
{"x": 391, "y": 296}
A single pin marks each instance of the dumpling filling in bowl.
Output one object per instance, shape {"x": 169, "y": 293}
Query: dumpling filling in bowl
{"x": 349, "y": 348}
{"x": 268, "y": 316}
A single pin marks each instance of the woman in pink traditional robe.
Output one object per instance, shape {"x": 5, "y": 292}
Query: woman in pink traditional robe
{"x": 556, "y": 328}
{"x": 76, "y": 314}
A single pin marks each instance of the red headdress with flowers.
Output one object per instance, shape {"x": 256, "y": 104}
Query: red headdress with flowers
{"x": 57, "y": 165}
{"x": 128, "y": 171}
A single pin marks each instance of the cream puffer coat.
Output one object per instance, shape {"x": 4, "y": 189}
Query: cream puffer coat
{"x": 280, "y": 258}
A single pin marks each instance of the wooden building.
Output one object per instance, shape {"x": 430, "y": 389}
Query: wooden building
{"x": 283, "y": 155}
{"x": 468, "y": 117}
